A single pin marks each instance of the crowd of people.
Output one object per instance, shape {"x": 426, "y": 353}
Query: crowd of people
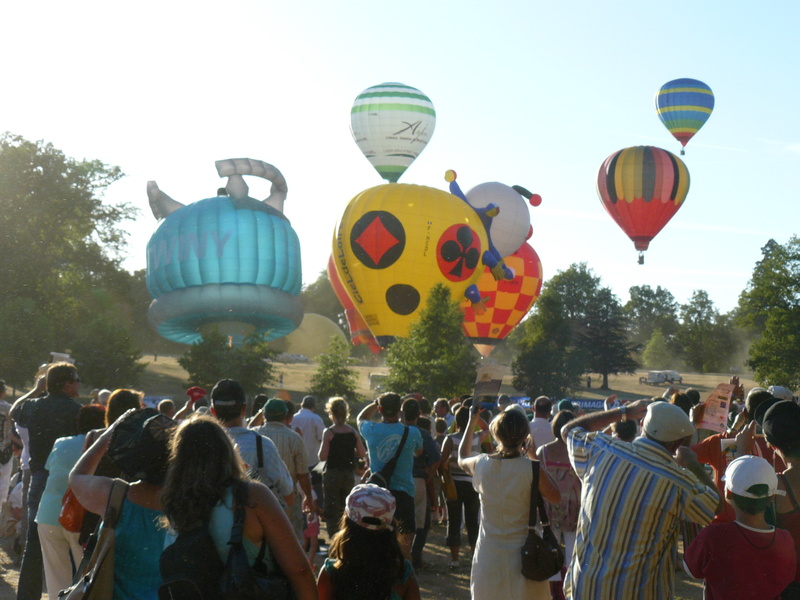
{"x": 624, "y": 488}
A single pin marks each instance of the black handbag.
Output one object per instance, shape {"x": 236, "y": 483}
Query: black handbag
{"x": 542, "y": 557}
{"x": 239, "y": 580}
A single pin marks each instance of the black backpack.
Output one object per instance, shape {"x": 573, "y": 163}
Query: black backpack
{"x": 191, "y": 568}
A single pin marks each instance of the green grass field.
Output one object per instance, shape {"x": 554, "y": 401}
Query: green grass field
{"x": 165, "y": 377}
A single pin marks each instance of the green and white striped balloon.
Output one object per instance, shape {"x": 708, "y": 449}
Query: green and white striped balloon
{"x": 392, "y": 123}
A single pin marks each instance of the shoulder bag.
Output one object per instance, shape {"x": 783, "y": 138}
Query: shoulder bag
{"x": 72, "y": 511}
{"x": 384, "y": 476}
{"x": 240, "y": 581}
{"x": 94, "y": 579}
{"x": 542, "y": 557}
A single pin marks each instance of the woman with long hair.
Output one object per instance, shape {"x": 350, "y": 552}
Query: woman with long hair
{"x": 203, "y": 468}
{"x": 341, "y": 445}
{"x": 504, "y": 479}
{"x": 139, "y": 537}
{"x": 365, "y": 560}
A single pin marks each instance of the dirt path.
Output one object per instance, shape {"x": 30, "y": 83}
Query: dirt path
{"x": 437, "y": 582}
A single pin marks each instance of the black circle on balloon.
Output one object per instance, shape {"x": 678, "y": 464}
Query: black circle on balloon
{"x": 402, "y": 299}
{"x": 378, "y": 239}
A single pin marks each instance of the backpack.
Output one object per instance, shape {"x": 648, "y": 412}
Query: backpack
{"x": 191, "y": 569}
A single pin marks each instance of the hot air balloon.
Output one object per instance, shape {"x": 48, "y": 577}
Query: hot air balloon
{"x": 507, "y": 301}
{"x": 229, "y": 262}
{"x": 392, "y": 123}
{"x": 684, "y": 105}
{"x": 396, "y": 241}
{"x": 359, "y": 332}
{"x": 642, "y": 188}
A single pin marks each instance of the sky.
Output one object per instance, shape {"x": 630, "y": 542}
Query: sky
{"x": 529, "y": 92}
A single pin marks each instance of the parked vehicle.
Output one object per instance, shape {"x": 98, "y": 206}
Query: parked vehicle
{"x": 659, "y": 377}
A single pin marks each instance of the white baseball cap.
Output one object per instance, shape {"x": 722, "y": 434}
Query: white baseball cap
{"x": 747, "y": 471}
{"x": 667, "y": 422}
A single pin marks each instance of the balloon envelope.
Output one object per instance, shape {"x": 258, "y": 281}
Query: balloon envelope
{"x": 684, "y": 105}
{"x": 642, "y": 188}
{"x": 392, "y": 123}
{"x": 359, "y": 332}
{"x": 224, "y": 263}
{"x": 508, "y": 300}
{"x": 394, "y": 242}
{"x": 510, "y": 228}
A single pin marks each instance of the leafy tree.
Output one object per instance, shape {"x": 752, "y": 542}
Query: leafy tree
{"x": 605, "y": 337}
{"x": 657, "y": 354}
{"x": 59, "y": 242}
{"x": 27, "y": 336}
{"x": 58, "y": 235}
{"x": 577, "y": 326}
{"x": 214, "y": 358}
{"x": 770, "y": 308}
{"x": 436, "y": 359}
{"x": 334, "y": 377}
{"x": 705, "y": 337}
{"x": 650, "y": 309}
{"x": 547, "y": 361}
{"x": 105, "y": 356}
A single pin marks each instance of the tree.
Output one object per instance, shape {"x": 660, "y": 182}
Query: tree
{"x": 770, "y": 308}
{"x": 104, "y": 354}
{"x": 436, "y": 359}
{"x": 650, "y": 309}
{"x": 214, "y": 358}
{"x": 59, "y": 242}
{"x": 334, "y": 377}
{"x": 705, "y": 337}
{"x": 548, "y": 363}
{"x": 656, "y": 354}
{"x": 58, "y": 235}
{"x": 577, "y": 326}
{"x": 604, "y": 337}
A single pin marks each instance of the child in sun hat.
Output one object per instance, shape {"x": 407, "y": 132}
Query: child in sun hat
{"x": 365, "y": 561}
{"x": 745, "y": 558}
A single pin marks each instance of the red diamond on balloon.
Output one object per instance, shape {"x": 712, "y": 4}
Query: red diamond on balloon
{"x": 376, "y": 240}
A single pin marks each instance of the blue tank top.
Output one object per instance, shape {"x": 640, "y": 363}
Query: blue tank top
{"x": 220, "y": 529}
{"x": 138, "y": 546}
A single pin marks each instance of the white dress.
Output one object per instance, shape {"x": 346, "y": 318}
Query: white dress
{"x": 504, "y": 486}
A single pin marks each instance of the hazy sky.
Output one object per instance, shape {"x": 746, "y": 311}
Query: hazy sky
{"x": 530, "y": 93}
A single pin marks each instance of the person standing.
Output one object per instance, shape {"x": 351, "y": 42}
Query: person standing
{"x": 6, "y": 449}
{"x": 340, "y": 447}
{"x": 312, "y": 427}
{"x": 46, "y": 418}
{"x": 541, "y": 430}
{"x": 634, "y": 498}
{"x": 383, "y": 440}
{"x": 228, "y": 405}
{"x": 293, "y": 453}
{"x": 423, "y": 464}
{"x": 745, "y": 558}
{"x": 504, "y": 480}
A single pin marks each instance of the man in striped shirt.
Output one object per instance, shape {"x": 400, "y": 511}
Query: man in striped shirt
{"x": 634, "y": 497}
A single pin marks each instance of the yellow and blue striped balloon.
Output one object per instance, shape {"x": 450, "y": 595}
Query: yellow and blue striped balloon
{"x": 684, "y": 105}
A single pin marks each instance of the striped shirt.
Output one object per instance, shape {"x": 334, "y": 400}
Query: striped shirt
{"x": 634, "y": 497}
